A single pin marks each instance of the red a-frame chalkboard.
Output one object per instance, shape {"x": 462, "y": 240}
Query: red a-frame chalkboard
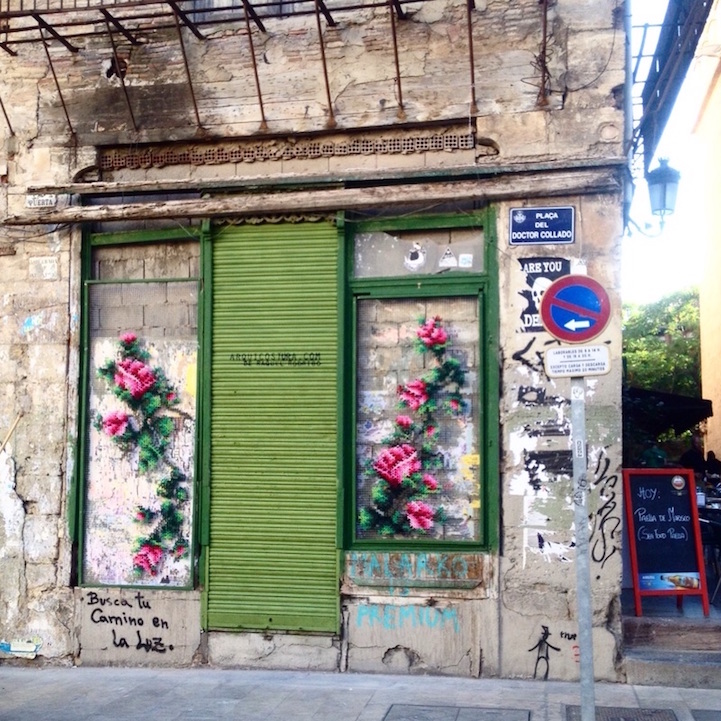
{"x": 664, "y": 534}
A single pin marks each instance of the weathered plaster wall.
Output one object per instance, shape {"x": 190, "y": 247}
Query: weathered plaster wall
{"x": 137, "y": 627}
{"x": 538, "y": 573}
{"x": 38, "y": 344}
{"x": 515, "y": 616}
{"x": 579, "y": 117}
{"x": 707, "y": 152}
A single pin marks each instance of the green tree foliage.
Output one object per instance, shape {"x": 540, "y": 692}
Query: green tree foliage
{"x": 662, "y": 346}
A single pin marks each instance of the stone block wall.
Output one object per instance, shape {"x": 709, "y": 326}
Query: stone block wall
{"x": 38, "y": 342}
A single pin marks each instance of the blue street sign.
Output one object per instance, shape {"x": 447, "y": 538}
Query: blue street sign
{"x": 536, "y": 226}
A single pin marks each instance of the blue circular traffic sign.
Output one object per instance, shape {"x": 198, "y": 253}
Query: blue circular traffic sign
{"x": 575, "y": 308}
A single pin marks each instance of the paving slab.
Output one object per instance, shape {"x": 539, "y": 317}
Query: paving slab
{"x": 211, "y": 694}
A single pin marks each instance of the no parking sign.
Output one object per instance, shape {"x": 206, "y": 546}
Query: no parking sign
{"x": 575, "y": 308}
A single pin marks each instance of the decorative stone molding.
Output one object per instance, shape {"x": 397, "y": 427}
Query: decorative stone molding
{"x": 409, "y": 142}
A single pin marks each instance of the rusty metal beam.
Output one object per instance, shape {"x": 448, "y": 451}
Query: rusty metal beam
{"x": 399, "y": 10}
{"x": 263, "y": 122}
{"x": 44, "y": 26}
{"x": 542, "y": 59}
{"x": 393, "y": 8}
{"x": 331, "y": 116}
{"x": 7, "y": 119}
{"x": 178, "y": 13}
{"x": 55, "y": 78}
{"x": 121, "y": 73}
{"x": 326, "y": 13}
{"x": 250, "y": 11}
{"x": 119, "y": 27}
{"x": 469, "y": 19}
{"x": 7, "y": 49}
{"x": 187, "y": 70}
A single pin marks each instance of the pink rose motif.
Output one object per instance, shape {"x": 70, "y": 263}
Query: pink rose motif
{"x": 404, "y": 422}
{"x": 430, "y": 482}
{"x": 413, "y": 394}
{"x": 128, "y": 338}
{"x": 148, "y": 558}
{"x": 420, "y": 515}
{"x": 396, "y": 463}
{"x": 115, "y": 423}
{"x": 431, "y": 334}
{"x": 431, "y": 431}
{"x": 454, "y": 404}
{"x": 134, "y": 376}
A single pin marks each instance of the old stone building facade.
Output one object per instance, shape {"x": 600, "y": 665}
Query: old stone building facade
{"x": 273, "y": 360}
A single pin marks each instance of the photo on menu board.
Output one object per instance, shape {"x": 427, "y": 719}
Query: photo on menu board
{"x": 664, "y": 535}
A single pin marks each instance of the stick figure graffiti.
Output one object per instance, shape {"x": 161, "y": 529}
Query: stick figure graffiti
{"x": 542, "y": 656}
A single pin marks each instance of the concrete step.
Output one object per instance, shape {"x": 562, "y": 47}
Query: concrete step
{"x": 649, "y": 666}
{"x": 672, "y": 634}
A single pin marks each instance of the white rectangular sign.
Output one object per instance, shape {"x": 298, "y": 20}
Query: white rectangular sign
{"x": 46, "y": 200}
{"x": 576, "y": 361}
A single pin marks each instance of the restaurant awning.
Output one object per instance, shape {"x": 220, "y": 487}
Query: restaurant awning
{"x": 656, "y": 412}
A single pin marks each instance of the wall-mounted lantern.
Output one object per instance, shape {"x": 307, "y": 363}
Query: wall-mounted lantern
{"x": 662, "y": 189}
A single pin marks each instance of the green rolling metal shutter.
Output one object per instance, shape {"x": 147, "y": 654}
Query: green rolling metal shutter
{"x": 272, "y": 558}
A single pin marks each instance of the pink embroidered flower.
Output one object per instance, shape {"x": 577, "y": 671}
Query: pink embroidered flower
{"x": 404, "y": 422}
{"x": 134, "y": 376}
{"x": 148, "y": 558}
{"x": 431, "y": 431}
{"x": 432, "y": 334}
{"x": 420, "y": 515}
{"x": 143, "y": 515}
{"x": 128, "y": 338}
{"x": 454, "y": 404}
{"x": 396, "y": 463}
{"x": 413, "y": 394}
{"x": 115, "y": 423}
{"x": 430, "y": 482}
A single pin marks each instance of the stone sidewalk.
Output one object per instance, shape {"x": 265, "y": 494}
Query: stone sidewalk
{"x": 204, "y": 694}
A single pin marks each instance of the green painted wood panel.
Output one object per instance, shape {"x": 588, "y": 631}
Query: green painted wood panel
{"x": 272, "y": 557}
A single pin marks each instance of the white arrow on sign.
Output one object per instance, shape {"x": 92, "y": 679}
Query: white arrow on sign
{"x": 574, "y": 324}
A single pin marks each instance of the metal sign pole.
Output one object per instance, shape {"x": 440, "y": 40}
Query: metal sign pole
{"x": 583, "y": 574}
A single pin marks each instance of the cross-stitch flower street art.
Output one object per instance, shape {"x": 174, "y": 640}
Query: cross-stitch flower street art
{"x": 138, "y": 499}
{"x": 405, "y": 497}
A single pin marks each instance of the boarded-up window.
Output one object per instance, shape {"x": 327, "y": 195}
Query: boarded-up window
{"x": 422, "y": 470}
{"x": 140, "y": 415}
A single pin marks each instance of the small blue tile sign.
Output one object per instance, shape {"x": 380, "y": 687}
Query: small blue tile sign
{"x": 542, "y": 226}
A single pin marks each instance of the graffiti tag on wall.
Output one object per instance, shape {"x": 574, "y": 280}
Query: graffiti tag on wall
{"x": 128, "y": 622}
{"x": 392, "y": 617}
{"x": 399, "y": 572}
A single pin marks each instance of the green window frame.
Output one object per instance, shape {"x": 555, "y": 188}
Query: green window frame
{"x": 371, "y": 484}
{"x": 181, "y": 494}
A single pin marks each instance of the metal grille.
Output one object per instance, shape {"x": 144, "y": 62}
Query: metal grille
{"x": 387, "y": 360}
{"x": 161, "y": 315}
{"x": 20, "y": 20}
{"x": 152, "y": 310}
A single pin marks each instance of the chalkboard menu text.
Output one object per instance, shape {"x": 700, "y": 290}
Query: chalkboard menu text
{"x": 664, "y": 535}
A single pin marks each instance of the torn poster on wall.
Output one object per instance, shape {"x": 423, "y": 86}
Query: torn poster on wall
{"x": 540, "y": 273}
